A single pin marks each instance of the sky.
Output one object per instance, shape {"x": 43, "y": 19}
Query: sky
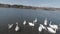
{"x": 38, "y": 3}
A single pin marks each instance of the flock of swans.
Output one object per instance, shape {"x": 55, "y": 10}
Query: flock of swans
{"x": 51, "y": 28}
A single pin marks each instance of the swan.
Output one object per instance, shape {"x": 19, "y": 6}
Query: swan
{"x": 24, "y": 23}
{"x": 17, "y": 27}
{"x": 53, "y": 26}
{"x": 10, "y": 26}
{"x": 31, "y": 24}
{"x": 51, "y": 30}
{"x": 59, "y": 24}
{"x": 45, "y": 22}
{"x": 43, "y": 26}
{"x": 35, "y": 20}
{"x": 40, "y": 28}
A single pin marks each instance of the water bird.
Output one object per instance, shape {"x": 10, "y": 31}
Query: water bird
{"x": 51, "y": 30}
{"x": 43, "y": 26}
{"x": 17, "y": 27}
{"x": 45, "y": 21}
{"x": 31, "y": 24}
{"x": 40, "y": 28}
{"x": 24, "y": 23}
{"x": 10, "y": 26}
{"x": 34, "y": 21}
{"x": 53, "y": 26}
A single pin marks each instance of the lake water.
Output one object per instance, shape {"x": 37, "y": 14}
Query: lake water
{"x": 13, "y": 15}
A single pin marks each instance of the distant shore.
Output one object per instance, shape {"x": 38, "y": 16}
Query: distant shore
{"x": 28, "y": 7}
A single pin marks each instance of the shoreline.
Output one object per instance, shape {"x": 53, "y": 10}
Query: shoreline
{"x": 28, "y": 7}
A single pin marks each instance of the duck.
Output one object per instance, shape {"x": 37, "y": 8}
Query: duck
{"x": 17, "y": 27}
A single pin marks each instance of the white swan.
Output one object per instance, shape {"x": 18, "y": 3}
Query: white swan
{"x": 43, "y": 26}
{"x": 35, "y": 20}
{"x": 10, "y": 26}
{"x": 17, "y": 27}
{"x": 40, "y": 28}
{"x": 53, "y": 26}
{"x": 31, "y": 24}
{"x": 45, "y": 21}
{"x": 24, "y": 23}
{"x": 51, "y": 30}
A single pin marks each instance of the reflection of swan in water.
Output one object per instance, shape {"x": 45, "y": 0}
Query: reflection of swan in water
{"x": 17, "y": 27}
{"x": 51, "y": 30}
{"x": 53, "y": 26}
{"x": 10, "y": 26}
{"x": 24, "y": 23}
{"x": 45, "y": 21}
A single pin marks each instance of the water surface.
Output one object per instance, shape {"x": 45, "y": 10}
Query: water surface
{"x": 13, "y": 15}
